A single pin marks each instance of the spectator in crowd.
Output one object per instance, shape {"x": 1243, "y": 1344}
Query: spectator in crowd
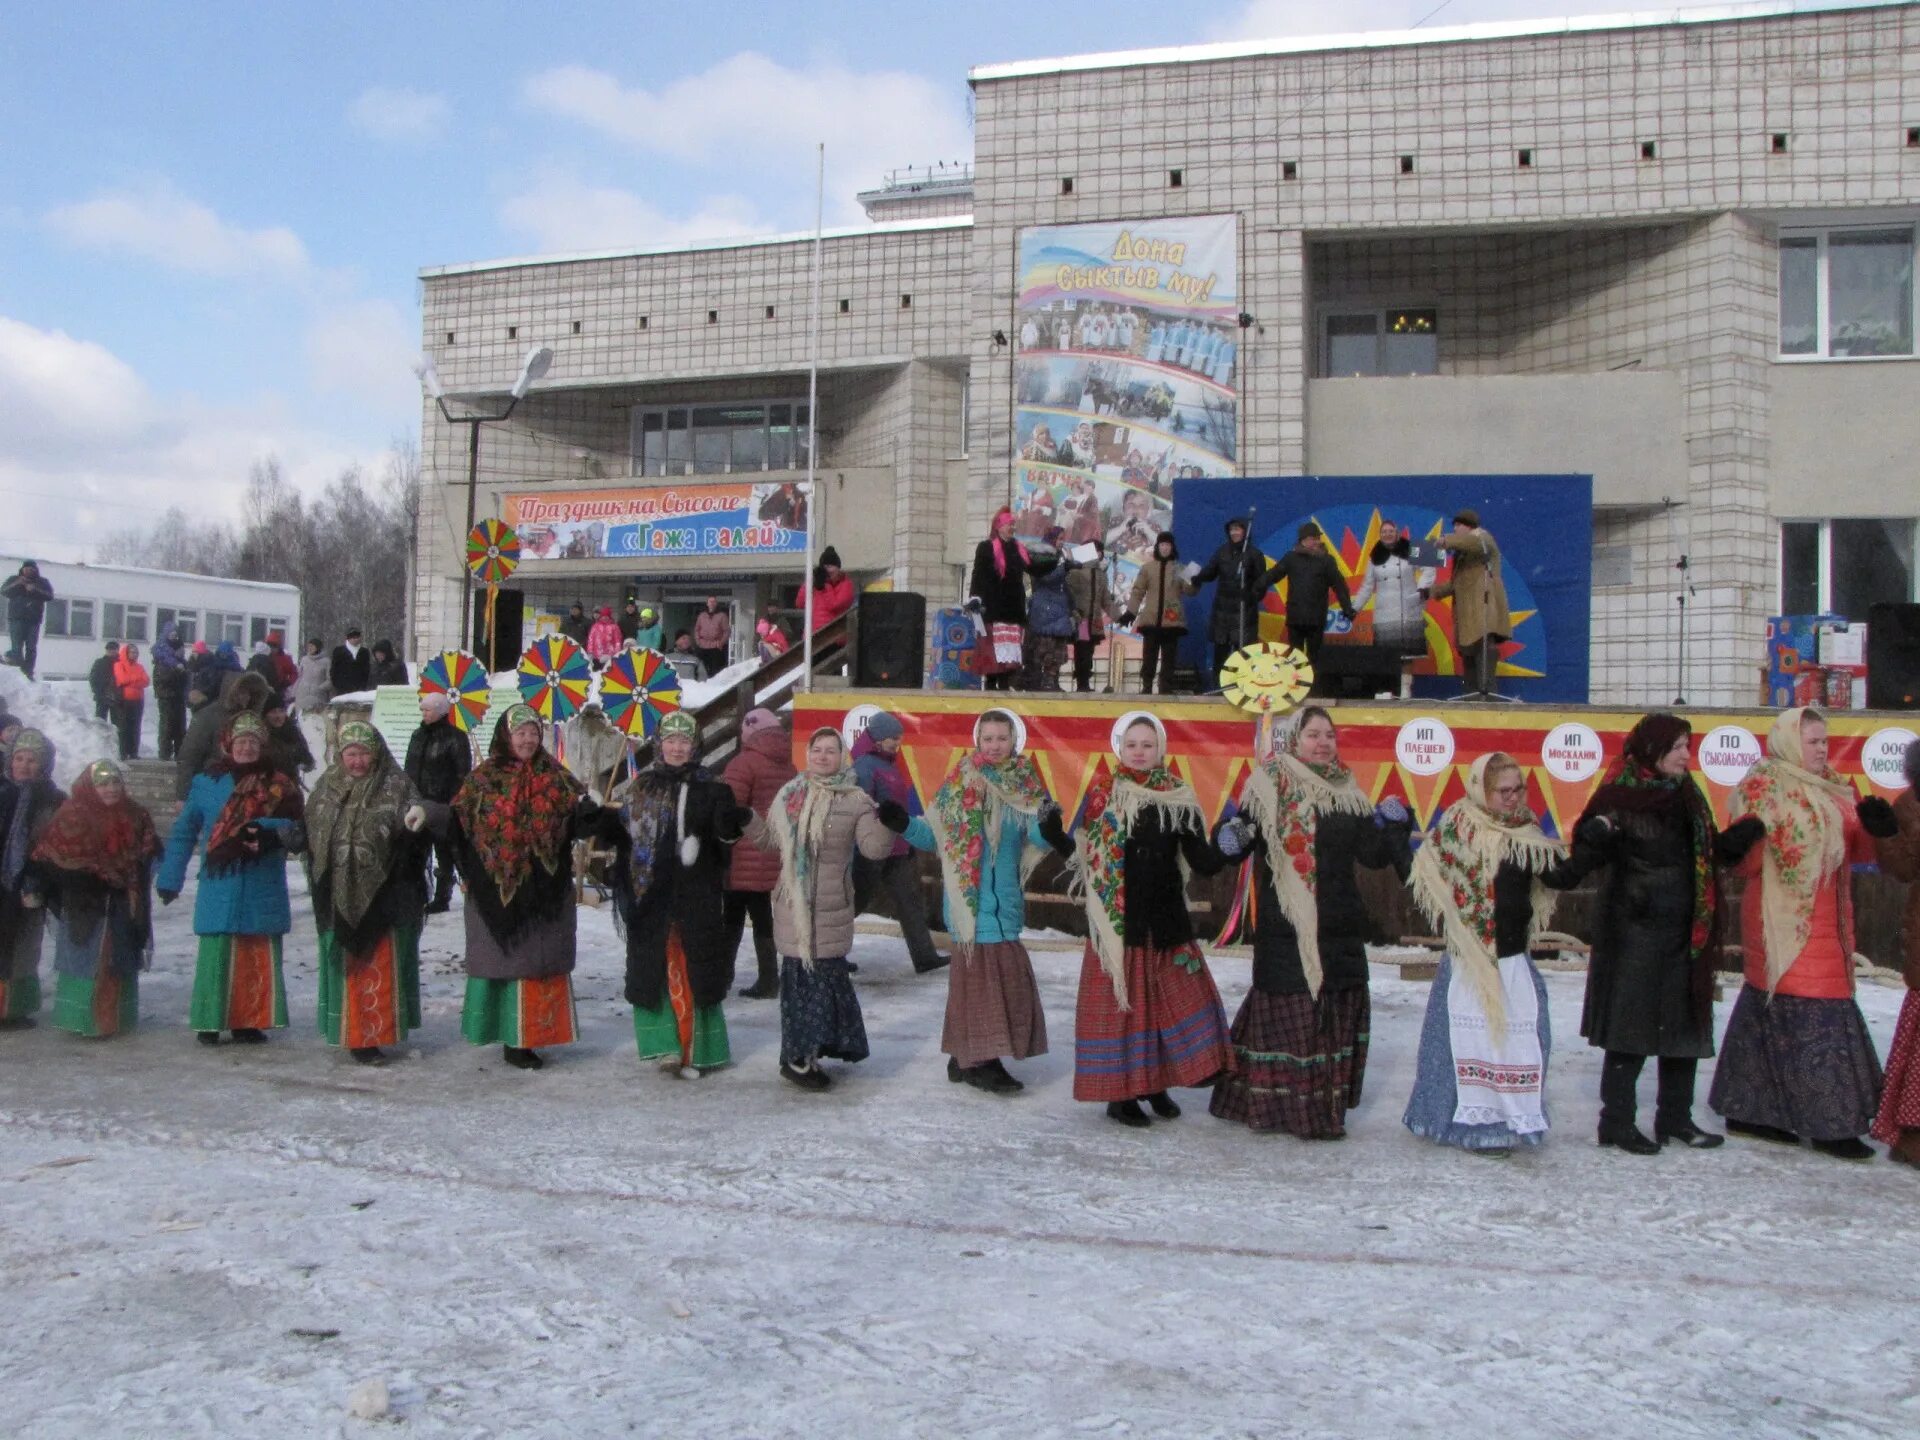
{"x": 603, "y": 640}
{"x": 576, "y": 627}
{"x": 286, "y": 673}
{"x": 832, "y": 590}
{"x": 27, "y": 595}
{"x": 311, "y": 691}
{"x": 287, "y": 749}
{"x": 712, "y": 633}
{"x": 439, "y": 755}
{"x": 170, "y": 690}
{"x": 203, "y": 677}
{"x": 351, "y": 669}
{"x": 388, "y": 668}
{"x": 1311, "y": 575}
{"x": 773, "y": 637}
{"x": 651, "y": 633}
{"x": 685, "y": 656}
{"x": 239, "y": 693}
{"x": 260, "y": 662}
{"x": 100, "y": 681}
{"x": 630, "y": 621}
{"x": 130, "y": 682}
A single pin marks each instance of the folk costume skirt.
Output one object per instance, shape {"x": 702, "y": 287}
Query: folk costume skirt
{"x": 1174, "y": 1032}
{"x": 237, "y": 984}
{"x": 370, "y": 1000}
{"x": 1299, "y": 1062}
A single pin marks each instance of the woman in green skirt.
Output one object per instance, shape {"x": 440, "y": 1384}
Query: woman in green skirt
{"x": 367, "y": 874}
{"x": 28, "y": 801}
{"x": 95, "y": 863}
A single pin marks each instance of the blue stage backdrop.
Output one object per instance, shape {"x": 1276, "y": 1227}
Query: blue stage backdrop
{"x": 1543, "y": 524}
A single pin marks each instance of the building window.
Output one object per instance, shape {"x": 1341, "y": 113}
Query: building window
{"x": 1847, "y": 293}
{"x": 1394, "y": 341}
{"x": 1845, "y": 567}
{"x": 188, "y": 622}
{"x": 123, "y": 622}
{"x": 72, "y": 619}
{"x": 720, "y": 439}
{"x": 223, "y": 626}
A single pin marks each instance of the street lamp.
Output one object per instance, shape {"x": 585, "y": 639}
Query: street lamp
{"x": 538, "y": 361}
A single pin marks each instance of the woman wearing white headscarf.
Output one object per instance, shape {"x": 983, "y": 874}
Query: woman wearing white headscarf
{"x": 1797, "y": 1059}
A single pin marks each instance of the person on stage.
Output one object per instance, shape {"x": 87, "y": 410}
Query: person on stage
{"x": 1397, "y": 589}
{"x": 997, "y": 593}
{"x": 1897, "y": 1125}
{"x": 367, "y": 874}
{"x": 95, "y": 863}
{"x": 818, "y": 822}
{"x": 1481, "y": 620}
{"x": 513, "y": 824}
{"x": 1797, "y": 1061}
{"x": 1483, "y": 878}
{"x": 1159, "y": 602}
{"x": 1311, "y": 576}
{"x": 1149, "y": 1018}
{"x": 1300, "y": 1038}
{"x": 244, "y": 817}
{"x": 1237, "y": 568}
{"x": 986, "y": 825}
{"x": 673, "y": 837}
{"x": 28, "y": 802}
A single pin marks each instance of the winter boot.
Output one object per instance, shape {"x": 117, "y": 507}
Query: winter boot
{"x": 808, "y": 1077}
{"x": 521, "y": 1059}
{"x": 207, "y": 1037}
{"x": 1163, "y": 1105}
{"x": 368, "y": 1055}
{"x": 1771, "y": 1133}
{"x": 249, "y": 1037}
{"x": 1687, "y": 1133}
{"x": 1128, "y": 1112}
{"x": 1615, "y": 1136}
{"x": 1851, "y": 1148}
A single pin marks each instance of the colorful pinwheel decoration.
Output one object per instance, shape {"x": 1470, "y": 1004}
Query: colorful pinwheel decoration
{"x": 493, "y": 553}
{"x": 555, "y": 677}
{"x": 1266, "y": 678}
{"x": 639, "y": 689}
{"x": 463, "y": 680}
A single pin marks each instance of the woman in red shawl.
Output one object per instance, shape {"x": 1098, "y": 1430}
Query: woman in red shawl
{"x": 96, "y": 860}
{"x": 998, "y": 594}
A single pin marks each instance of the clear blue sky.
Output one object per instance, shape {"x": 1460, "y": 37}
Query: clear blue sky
{"x": 211, "y": 214}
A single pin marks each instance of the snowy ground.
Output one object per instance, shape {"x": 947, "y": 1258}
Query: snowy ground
{"x": 224, "y": 1242}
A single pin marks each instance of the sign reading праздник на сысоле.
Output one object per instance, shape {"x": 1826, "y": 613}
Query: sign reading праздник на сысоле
{"x": 659, "y": 521}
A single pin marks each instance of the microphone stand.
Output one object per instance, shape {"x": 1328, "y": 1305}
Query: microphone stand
{"x": 1685, "y": 566}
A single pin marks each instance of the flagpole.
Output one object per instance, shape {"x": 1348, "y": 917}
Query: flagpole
{"x": 813, "y": 421}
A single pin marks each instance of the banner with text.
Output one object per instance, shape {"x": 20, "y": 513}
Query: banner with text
{"x": 658, "y": 522}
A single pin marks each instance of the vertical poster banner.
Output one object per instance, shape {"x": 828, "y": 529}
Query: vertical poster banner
{"x": 1125, "y": 376}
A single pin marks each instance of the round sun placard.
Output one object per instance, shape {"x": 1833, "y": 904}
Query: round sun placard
{"x": 1266, "y": 678}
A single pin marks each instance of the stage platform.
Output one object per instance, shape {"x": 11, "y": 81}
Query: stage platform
{"x": 1416, "y": 750}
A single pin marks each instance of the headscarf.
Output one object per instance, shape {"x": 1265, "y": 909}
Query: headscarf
{"x": 656, "y": 808}
{"x": 1286, "y": 797}
{"x": 515, "y": 812}
{"x": 111, "y": 843}
{"x": 757, "y": 720}
{"x": 355, "y": 827}
{"x": 1453, "y": 876}
{"x": 1114, "y": 806}
{"x": 798, "y": 820}
{"x": 260, "y": 792}
{"x": 966, "y": 817}
{"x": 1806, "y": 818}
{"x": 1635, "y": 785}
{"x": 999, "y": 545}
{"x": 17, "y": 799}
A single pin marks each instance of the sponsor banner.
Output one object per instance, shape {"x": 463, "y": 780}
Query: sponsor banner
{"x": 1420, "y": 755}
{"x": 659, "y": 522}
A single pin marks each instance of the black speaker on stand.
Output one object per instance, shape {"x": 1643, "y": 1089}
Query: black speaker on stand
{"x": 1893, "y": 657}
{"x": 891, "y": 646}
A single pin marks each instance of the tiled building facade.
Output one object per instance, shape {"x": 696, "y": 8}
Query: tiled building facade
{"x": 1594, "y": 214}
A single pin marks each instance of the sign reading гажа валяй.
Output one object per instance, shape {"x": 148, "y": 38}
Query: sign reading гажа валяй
{"x": 658, "y": 521}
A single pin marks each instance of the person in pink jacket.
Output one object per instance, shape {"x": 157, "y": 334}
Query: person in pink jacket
{"x": 604, "y": 639}
{"x": 712, "y": 633}
{"x": 832, "y": 590}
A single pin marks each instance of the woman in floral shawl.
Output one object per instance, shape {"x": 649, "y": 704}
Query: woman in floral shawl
{"x": 95, "y": 861}
{"x": 1796, "y": 1059}
{"x": 817, "y": 822}
{"x": 1301, "y": 1035}
{"x": 1149, "y": 1017}
{"x": 28, "y": 800}
{"x": 989, "y": 824}
{"x": 1656, "y": 939}
{"x": 367, "y": 874}
{"x": 244, "y": 817}
{"x": 1483, "y": 878}
{"x": 673, "y": 836}
{"x": 513, "y": 823}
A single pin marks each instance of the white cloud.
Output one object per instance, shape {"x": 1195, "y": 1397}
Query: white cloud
{"x": 1277, "y": 19}
{"x": 757, "y": 115}
{"x": 561, "y": 212}
{"x": 365, "y": 349}
{"x": 158, "y": 223}
{"x": 399, "y": 115}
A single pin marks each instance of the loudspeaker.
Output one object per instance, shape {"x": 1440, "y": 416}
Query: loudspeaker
{"x": 892, "y": 651}
{"x": 1893, "y": 657}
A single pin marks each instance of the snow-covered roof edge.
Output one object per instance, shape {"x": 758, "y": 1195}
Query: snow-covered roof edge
{"x": 1438, "y": 35}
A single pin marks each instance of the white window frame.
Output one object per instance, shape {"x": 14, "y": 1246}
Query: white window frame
{"x": 1328, "y": 311}
{"x": 1821, "y": 234}
{"x": 636, "y": 460}
{"x": 67, "y": 632}
{"x": 1824, "y": 586}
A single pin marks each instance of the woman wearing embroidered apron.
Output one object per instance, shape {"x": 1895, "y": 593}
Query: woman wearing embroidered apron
{"x": 244, "y": 817}
{"x": 367, "y": 875}
{"x": 1149, "y": 1017}
{"x": 1796, "y": 1059}
{"x": 1482, "y": 878}
{"x": 95, "y": 861}
{"x": 988, "y": 824}
{"x": 27, "y": 805}
{"x": 673, "y": 836}
{"x": 513, "y": 824}
{"x": 1301, "y": 1035}
{"x": 816, "y": 822}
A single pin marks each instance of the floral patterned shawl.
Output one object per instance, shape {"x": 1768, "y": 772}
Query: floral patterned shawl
{"x": 967, "y": 816}
{"x": 1114, "y": 805}
{"x": 1453, "y": 875}
{"x": 1805, "y": 815}
{"x": 354, "y": 827}
{"x": 516, "y": 812}
{"x": 260, "y": 792}
{"x": 112, "y": 843}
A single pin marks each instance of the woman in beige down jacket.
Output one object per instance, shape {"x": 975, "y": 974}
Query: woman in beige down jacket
{"x": 816, "y": 823}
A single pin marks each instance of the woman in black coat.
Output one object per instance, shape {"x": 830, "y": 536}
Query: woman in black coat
{"x": 997, "y": 593}
{"x": 1657, "y": 930}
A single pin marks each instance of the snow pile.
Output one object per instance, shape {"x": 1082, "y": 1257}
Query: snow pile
{"x": 62, "y": 710}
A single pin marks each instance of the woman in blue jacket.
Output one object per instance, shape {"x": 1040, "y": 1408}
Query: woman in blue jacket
{"x": 244, "y": 818}
{"x": 989, "y": 823}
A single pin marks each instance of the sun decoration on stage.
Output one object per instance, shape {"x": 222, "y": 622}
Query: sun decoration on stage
{"x": 1266, "y": 678}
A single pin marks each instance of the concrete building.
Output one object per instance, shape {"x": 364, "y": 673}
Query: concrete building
{"x": 1676, "y": 252}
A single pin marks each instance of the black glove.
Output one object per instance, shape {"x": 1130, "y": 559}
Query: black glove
{"x": 167, "y": 897}
{"x": 1126, "y": 619}
{"x": 976, "y": 604}
{"x": 894, "y": 816}
{"x": 258, "y": 839}
{"x": 1876, "y": 818}
{"x": 1740, "y": 837}
{"x": 1593, "y": 830}
{"x": 739, "y": 818}
{"x": 1054, "y": 831}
